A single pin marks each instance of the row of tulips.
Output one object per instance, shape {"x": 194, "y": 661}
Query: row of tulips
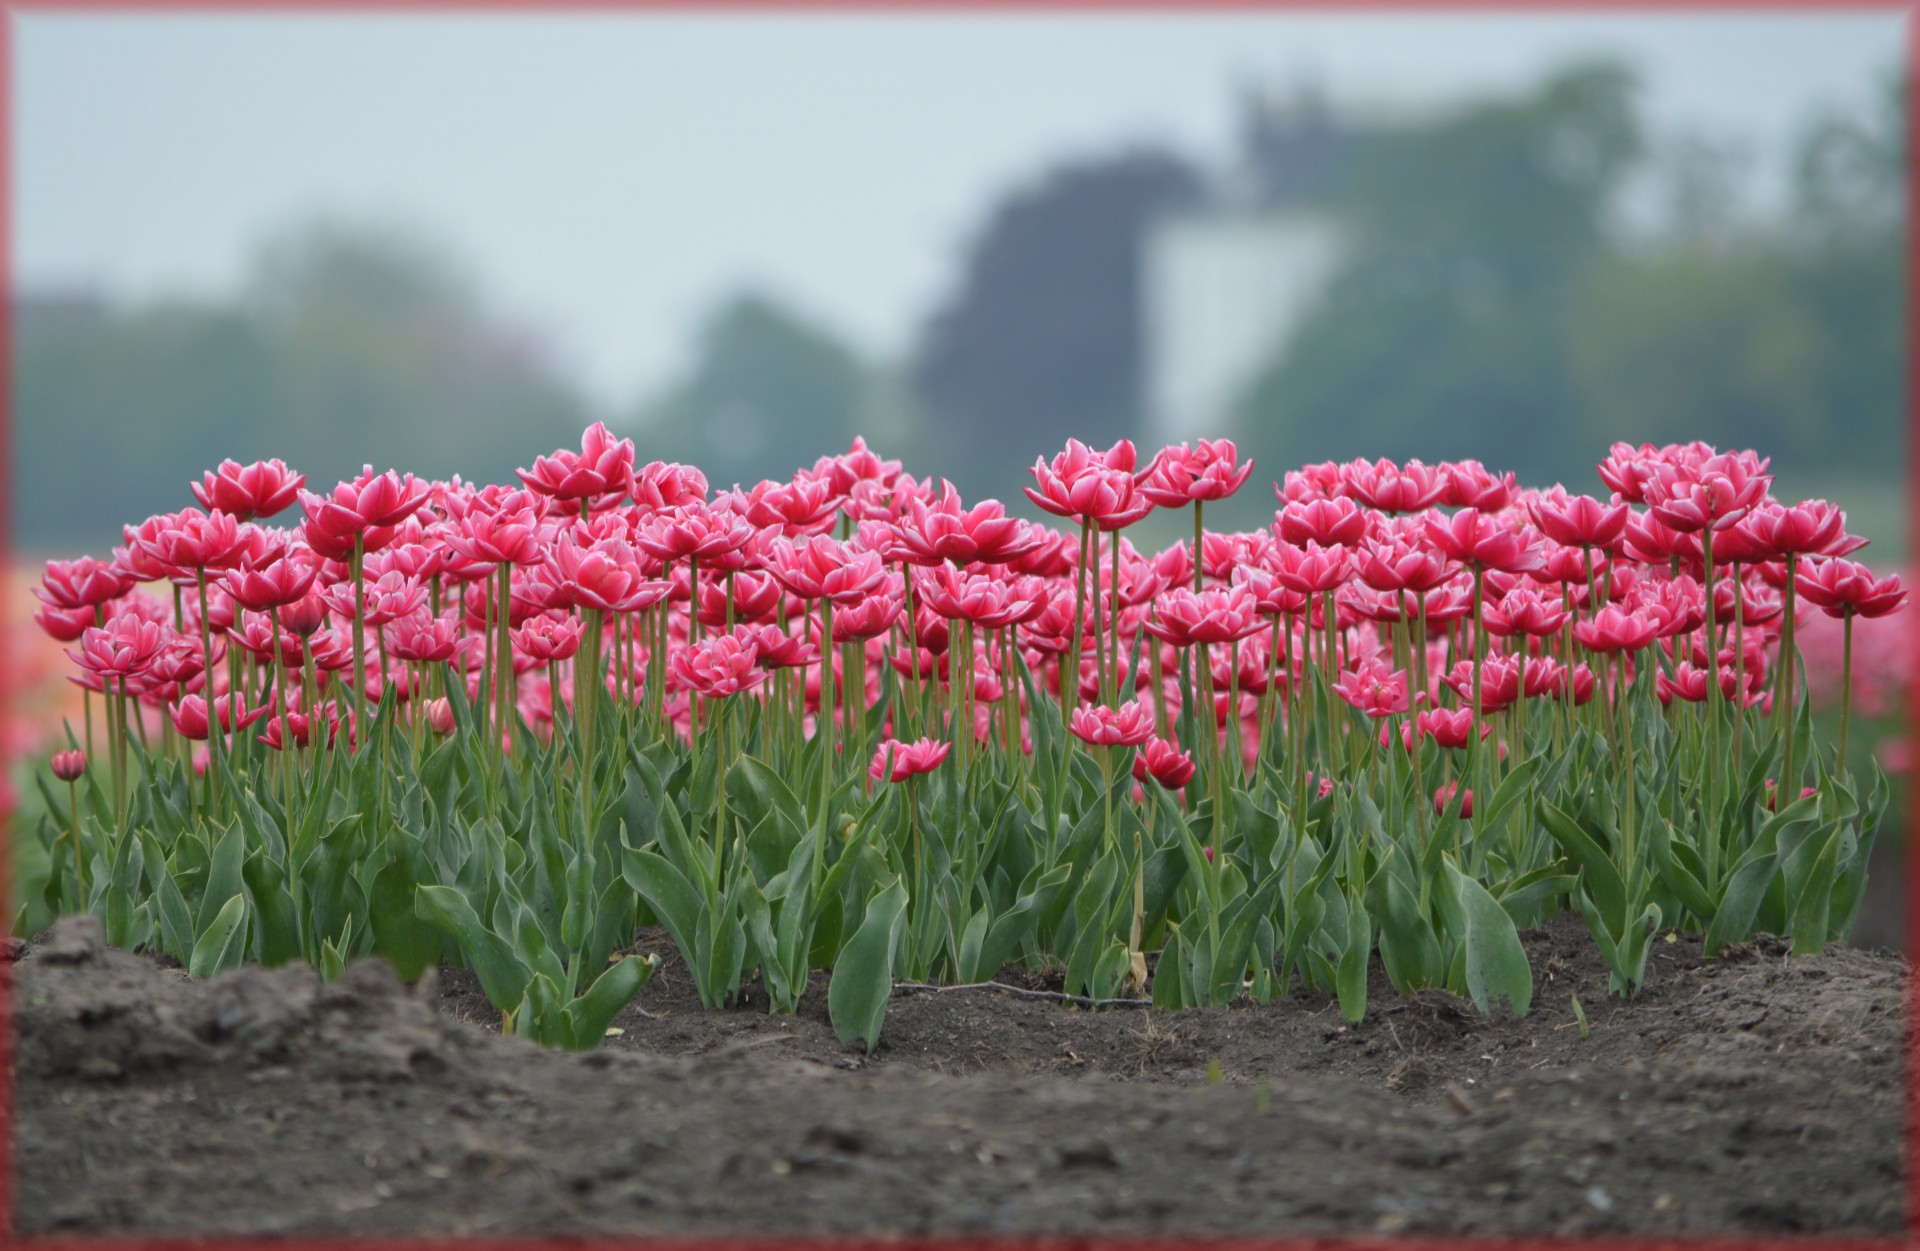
{"x": 850, "y": 721}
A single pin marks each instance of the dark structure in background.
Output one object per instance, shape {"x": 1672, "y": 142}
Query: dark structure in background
{"x": 1041, "y": 340}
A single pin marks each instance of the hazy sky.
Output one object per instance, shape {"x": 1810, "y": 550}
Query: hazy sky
{"x": 607, "y": 178}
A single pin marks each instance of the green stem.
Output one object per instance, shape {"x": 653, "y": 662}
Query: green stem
{"x": 1846, "y": 688}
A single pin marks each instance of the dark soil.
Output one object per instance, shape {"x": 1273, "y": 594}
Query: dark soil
{"x": 1751, "y": 1093}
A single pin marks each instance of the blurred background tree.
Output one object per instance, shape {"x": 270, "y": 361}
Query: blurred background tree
{"x": 767, "y": 392}
{"x": 347, "y": 346}
{"x": 1492, "y": 307}
{"x": 1523, "y": 279}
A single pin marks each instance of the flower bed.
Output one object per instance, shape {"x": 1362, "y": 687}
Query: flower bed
{"x": 848, "y": 722}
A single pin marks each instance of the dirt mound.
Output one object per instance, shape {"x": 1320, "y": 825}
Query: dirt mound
{"x": 1751, "y": 1093}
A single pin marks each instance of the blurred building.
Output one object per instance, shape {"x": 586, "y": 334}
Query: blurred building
{"x": 1226, "y": 284}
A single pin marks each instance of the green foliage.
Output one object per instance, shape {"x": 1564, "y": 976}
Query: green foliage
{"x": 345, "y": 346}
{"x": 1488, "y": 307}
{"x": 766, "y": 392}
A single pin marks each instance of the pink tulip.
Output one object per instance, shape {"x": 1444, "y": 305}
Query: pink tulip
{"x": 896, "y": 761}
{"x": 83, "y": 583}
{"x": 603, "y": 467}
{"x": 1180, "y": 475}
{"x": 718, "y": 667}
{"x": 261, "y": 489}
{"x": 1129, "y": 725}
{"x": 944, "y": 530}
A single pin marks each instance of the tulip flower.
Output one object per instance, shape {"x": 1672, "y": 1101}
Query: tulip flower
{"x": 69, "y": 765}
{"x": 1219, "y": 615}
{"x": 896, "y": 761}
{"x": 261, "y": 489}
{"x": 944, "y": 530}
{"x": 440, "y": 716}
{"x": 1129, "y": 725}
{"x": 189, "y": 716}
{"x": 858, "y": 464}
{"x": 1627, "y": 470}
{"x": 1444, "y": 798}
{"x": 190, "y": 540}
{"x": 1471, "y": 485}
{"x": 1611, "y": 630}
{"x": 304, "y": 615}
{"x": 298, "y": 728}
{"x": 1392, "y": 564}
{"x": 1712, "y": 496}
{"x": 1374, "y": 689}
{"x": 662, "y": 485}
{"x": 1337, "y": 522}
{"x": 124, "y": 648}
{"x": 870, "y": 618}
{"x": 1809, "y": 528}
{"x": 1772, "y": 788}
{"x": 1581, "y": 521}
{"x": 1392, "y": 489}
{"x": 363, "y": 512}
{"x": 545, "y": 640}
{"x": 1180, "y": 475}
{"x": 692, "y": 532}
{"x": 64, "y": 625}
{"x": 1165, "y": 763}
{"x": 282, "y": 582}
{"x": 605, "y": 575}
{"x": 822, "y": 568}
{"x": 1478, "y": 540}
{"x": 987, "y": 601}
{"x": 1841, "y": 588}
{"x": 83, "y": 583}
{"x": 776, "y": 649}
{"x": 1499, "y": 683}
{"x": 718, "y": 667}
{"x": 602, "y": 468}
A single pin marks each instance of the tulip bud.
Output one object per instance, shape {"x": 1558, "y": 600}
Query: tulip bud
{"x": 440, "y": 716}
{"x": 69, "y": 765}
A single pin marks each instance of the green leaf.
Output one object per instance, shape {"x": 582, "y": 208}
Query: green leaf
{"x": 1014, "y": 926}
{"x": 176, "y": 923}
{"x": 611, "y": 991}
{"x": 503, "y": 974}
{"x": 224, "y": 943}
{"x": 332, "y": 965}
{"x": 224, "y": 879}
{"x": 673, "y": 899}
{"x": 405, "y": 939}
{"x": 1598, "y": 873}
{"x": 863, "y": 974}
{"x": 1166, "y": 976}
{"x": 1496, "y": 963}
{"x": 276, "y": 930}
{"x": 1350, "y": 978}
{"x": 1745, "y": 888}
{"x": 1408, "y": 947}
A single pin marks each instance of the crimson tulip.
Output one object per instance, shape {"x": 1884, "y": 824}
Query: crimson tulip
{"x": 1165, "y": 763}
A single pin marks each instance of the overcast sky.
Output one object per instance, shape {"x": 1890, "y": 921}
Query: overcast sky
{"x": 607, "y": 178}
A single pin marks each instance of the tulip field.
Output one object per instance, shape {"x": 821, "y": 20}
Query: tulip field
{"x": 853, "y": 722}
